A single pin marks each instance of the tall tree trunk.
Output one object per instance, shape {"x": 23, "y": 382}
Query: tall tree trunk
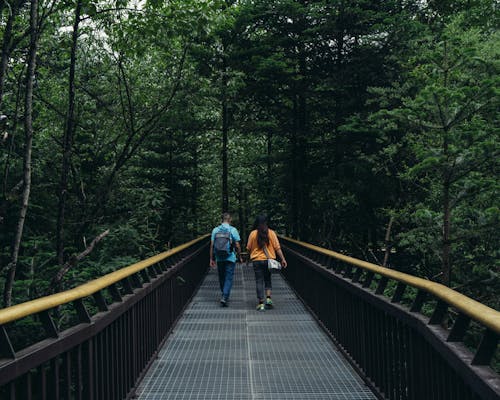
{"x": 388, "y": 245}
{"x": 4, "y": 60}
{"x": 339, "y": 64}
{"x": 7, "y": 45}
{"x": 171, "y": 180}
{"x": 294, "y": 183}
{"x": 244, "y": 217}
{"x": 300, "y": 146}
{"x": 269, "y": 172}
{"x": 28, "y": 132}
{"x": 225, "y": 129}
{"x": 67, "y": 139}
{"x": 195, "y": 192}
{"x": 303, "y": 191}
{"x": 6, "y": 191}
{"x": 446, "y": 263}
{"x": 240, "y": 212}
{"x": 299, "y": 136}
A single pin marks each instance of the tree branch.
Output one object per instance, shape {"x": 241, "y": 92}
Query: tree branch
{"x": 73, "y": 261}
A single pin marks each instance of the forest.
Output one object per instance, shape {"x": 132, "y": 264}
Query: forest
{"x": 370, "y": 127}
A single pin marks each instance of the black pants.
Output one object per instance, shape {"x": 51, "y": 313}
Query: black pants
{"x": 262, "y": 278}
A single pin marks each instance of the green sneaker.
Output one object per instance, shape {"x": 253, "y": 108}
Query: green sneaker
{"x": 269, "y": 303}
{"x": 261, "y": 307}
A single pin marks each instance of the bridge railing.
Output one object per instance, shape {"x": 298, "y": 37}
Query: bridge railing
{"x": 105, "y": 353}
{"x": 376, "y": 316}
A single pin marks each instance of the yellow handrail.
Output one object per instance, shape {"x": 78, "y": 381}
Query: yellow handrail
{"x": 485, "y": 315}
{"x": 22, "y": 310}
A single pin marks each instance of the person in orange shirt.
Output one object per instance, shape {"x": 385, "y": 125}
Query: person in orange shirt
{"x": 263, "y": 236}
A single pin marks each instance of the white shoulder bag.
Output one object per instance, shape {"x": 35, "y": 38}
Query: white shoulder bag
{"x": 272, "y": 264}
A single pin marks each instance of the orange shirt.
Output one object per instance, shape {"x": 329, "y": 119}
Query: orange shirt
{"x": 256, "y": 253}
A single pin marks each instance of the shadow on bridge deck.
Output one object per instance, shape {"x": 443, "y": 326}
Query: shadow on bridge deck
{"x": 239, "y": 353}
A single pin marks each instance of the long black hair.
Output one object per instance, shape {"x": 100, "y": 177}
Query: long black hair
{"x": 261, "y": 224}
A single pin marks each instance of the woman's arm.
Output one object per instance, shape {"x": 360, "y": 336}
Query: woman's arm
{"x": 277, "y": 248}
{"x": 282, "y": 256}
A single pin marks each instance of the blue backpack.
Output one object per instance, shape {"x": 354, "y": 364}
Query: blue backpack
{"x": 223, "y": 245}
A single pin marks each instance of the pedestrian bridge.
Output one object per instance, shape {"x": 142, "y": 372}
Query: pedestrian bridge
{"x": 341, "y": 329}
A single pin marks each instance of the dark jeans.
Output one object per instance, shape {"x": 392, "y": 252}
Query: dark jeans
{"x": 226, "y": 272}
{"x": 262, "y": 278}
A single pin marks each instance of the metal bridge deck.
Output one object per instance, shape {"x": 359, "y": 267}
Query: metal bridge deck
{"x": 239, "y": 353}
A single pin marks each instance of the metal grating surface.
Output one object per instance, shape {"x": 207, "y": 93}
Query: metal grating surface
{"x": 239, "y": 353}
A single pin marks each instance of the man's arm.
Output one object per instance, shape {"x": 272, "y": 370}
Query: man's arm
{"x": 212, "y": 259}
{"x": 238, "y": 251}
{"x": 236, "y": 240}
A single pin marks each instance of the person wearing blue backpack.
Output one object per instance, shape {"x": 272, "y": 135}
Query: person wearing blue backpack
{"x": 225, "y": 240}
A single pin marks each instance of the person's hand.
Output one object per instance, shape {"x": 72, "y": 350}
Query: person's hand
{"x": 213, "y": 264}
{"x": 241, "y": 259}
{"x": 284, "y": 264}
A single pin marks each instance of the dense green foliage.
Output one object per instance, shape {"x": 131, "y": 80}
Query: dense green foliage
{"x": 370, "y": 127}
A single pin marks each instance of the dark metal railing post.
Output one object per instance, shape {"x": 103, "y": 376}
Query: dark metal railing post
{"x": 418, "y": 302}
{"x": 399, "y": 292}
{"x": 486, "y": 349}
{"x": 48, "y": 324}
{"x": 115, "y": 293}
{"x": 459, "y": 328}
{"x": 127, "y": 286}
{"x": 81, "y": 311}
{"x": 100, "y": 301}
{"x": 6, "y": 349}
{"x": 439, "y": 313}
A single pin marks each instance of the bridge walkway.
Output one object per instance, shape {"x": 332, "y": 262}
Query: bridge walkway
{"x": 239, "y": 353}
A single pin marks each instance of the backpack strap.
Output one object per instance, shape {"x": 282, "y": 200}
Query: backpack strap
{"x": 231, "y": 241}
{"x": 266, "y": 252}
{"x": 264, "y": 248}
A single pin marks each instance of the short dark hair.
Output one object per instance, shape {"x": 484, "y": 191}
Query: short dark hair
{"x": 226, "y": 216}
